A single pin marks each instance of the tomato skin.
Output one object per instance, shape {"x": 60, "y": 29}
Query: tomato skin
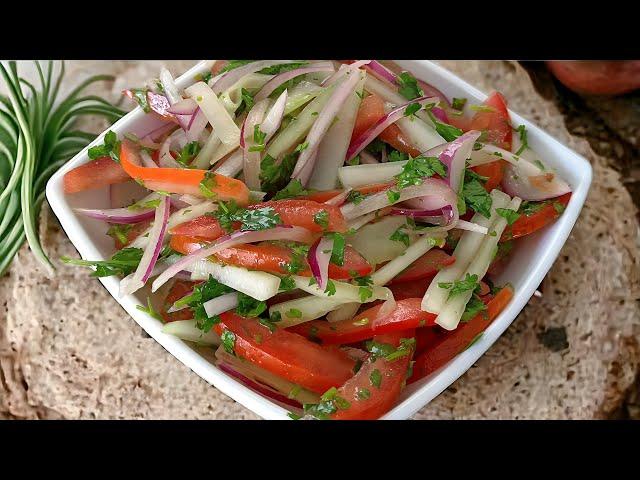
{"x": 269, "y": 257}
{"x": 381, "y": 398}
{"x": 407, "y": 315}
{"x": 98, "y": 173}
{"x": 371, "y": 110}
{"x": 425, "y": 267}
{"x": 440, "y": 346}
{"x": 496, "y": 123}
{"x": 179, "y": 289}
{"x": 404, "y": 290}
{"x": 292, "y": 212}
{"x": 494, "y": 171}
{"x": 527, "y": 224}
{"x": 181, "y": 180}
{"x": 595, "y": 77}
{"x": 287, "y": 354}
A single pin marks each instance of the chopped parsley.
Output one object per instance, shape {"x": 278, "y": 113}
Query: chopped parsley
{"x": 120, "y": 232}
{"x": 246, "y": 101}
{"x": 188, "y": 153}
{"x": 475, "y": 196}
{"x": 273, "y": 175}
{"x": 375, "y": 377}
{"x": 228, "y": 339}
{"x": 524, "y": 144}
{"x": 393, "y": 196}
{"x": 397, "y": 156}
{"x": 412, "y": 109}
{"x": 376, "y": 146}
{"x": 330, "y": 290}
{"x": 294, "y": 313}
{"x": 408, "y": 86}
{"x": 400, "y": 236}
{"x": 363, "y": 393}
{"x": 249, "y": 306}
{"x": 529, "y": 208}
{"x": 293, "y": 189}
{"x": 337, "y": 252}
{"x": 258, "y": 137}
{"x": 458, "y": 103}
{"x": 208, "y": 185}
{"x": 470, "y": 282}
{"x": 329, "y": 404}
{"x": 419, "y": 168}
{"x": 474, "y": 307}
{"x": 388, "y": 351}
{"x": 149, "y": 310}
{"x": 250, "y": 219}
{"x": 355, "y": 197}
{"x": 286, "y": 284}
{"x": 123, "y": 262}
{"x": 110, "y": 148}
{"x": 559, "y": 207}
{"x": 510, "y": 215}
{"x": 322, "y": 219}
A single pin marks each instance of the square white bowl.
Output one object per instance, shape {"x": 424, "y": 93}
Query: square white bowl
{"x": 531, "y": 260}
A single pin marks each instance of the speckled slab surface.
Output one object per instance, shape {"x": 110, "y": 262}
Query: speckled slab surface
{"x": 67, "y": 350}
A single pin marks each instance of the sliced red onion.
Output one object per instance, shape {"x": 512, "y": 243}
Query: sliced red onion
{"x": 343, "y": 70}
{"x": 522, "y": 178}
{"x": 146, "y": 159}
{"x": 367, "y": 159}
{"x": 159, "y": 104}
{"x": 251, "y": 159}
{"x": 304, "y": 166}
{"x": 197, "y": 125}
{"x": 258, "y": 387}
{"x": 151, "y": 252}
{"x": 455, "y": 155}
{"x": 156, "y": 131}
{"x": 377, "y": 128}
{"x": 431, "y": 187}
{"x": 185, "y": 106}
{"x": 318, "y": 258}
{"x": 340, "y": 198}
{"x": 278, "y": 80}
{"x": 221, "y": 304}
{"x": 281, "y": 232}
{"x": 166, "y": 160}
{"x": 432, "y": 91}
{"x": 231, "y": 77}
{"x": 440, "y": 114}
{"x": 122, "y": 216}
{"x": 442, "y": 217}
{"x": 383, "y": 72}
{"x": 273, "y": 119}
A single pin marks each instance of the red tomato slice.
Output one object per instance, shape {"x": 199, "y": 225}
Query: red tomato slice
{"x": 180, "y": 289}
{"x": 407, "y": 315}
{"x": 494, "y": 171}
{"x": 369, "y": 399}
{"x": 272, "y": 258}
{"x": 371, "y": 110}
{"x": 527, "y": 224}
{"x": 300, "y": 213}
{"x": 496, "y": 123}
{"x": 98, "y": 173}
{"x": 402, "y": 291}
{"x": 287, "y": 354}
{"x": 440, "y": 346}
{"x": 425, "y": 267}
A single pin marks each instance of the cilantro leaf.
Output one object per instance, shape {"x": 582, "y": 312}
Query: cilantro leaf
{"x": 524, "y": 143}
{"x": 258, "y": 137}
{"x": 123, "y": 262}
{"x": 246, "y": 102}
{"x": 397, "y": 156}
{"x": 322, "y": 219}
{"x": 228, "y": 341}
{"x": 337, "y": 252}
{"x": 408, "y": 86}
{"x": 411, "y": 109}
{"x": 140, "y": 96}
{"x": 469, "y": 282}
{"x": 400, "y": 236}
{"x": 330, "y": 289}
{"x": 208, "y": 185}
{"x": 446, "y": 131}
{"x": 475, "y": 196}
{"x": 355, "y": 197}
{"x": 273, "y": 175}
{"x": 188, "y": 153}
{"x": 458, "y": 103}
{"x": 375, "y": 377}
{"x": 293, "y": 189}
{"x": 249, "y": 306}
{"x": 419, "y": 168}
{"x": 510, "y": 215}
{"x": 473, "y": 308}
{"x": 286, "y": 284}
{"x": 393, "y": 196}
{"x": 110, "y": 148}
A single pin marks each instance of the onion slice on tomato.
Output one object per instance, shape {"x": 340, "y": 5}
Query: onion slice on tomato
{"x": 151, "y": 253}
{"x": 455, "y": 155}
{"x": 281, "y": 232}
{"x": 377, "y": 128}
{"x": 318, "y": 258}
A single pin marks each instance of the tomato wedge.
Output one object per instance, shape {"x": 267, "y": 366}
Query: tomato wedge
{"x": 496, "y": 123}
{"x": 441, "y": 345}
{"x": 494, "y": 172}
{"x": 181, "y": 180}
{"x": 180, "y": 289}
{"x": 301, "y": 213}
{"x": 526, "y": 224}
{"x": 272, "y": 258}
{"x": 286, "y": 354}
{"x": 404, "y": 290}
{"x": 425, "y": 267}
{"x": 376, "y": 387}
{"x": 371, "y": 110}
{"x": 407, "y": 315}
{"x": 98, "y": 173}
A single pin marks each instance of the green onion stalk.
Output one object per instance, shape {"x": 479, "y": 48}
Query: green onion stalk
{"x": 37, "y": 137}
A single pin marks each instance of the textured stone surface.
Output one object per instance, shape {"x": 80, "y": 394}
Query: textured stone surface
{"x": 67, "y": 350}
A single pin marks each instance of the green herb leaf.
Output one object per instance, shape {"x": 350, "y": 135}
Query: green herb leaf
{"x": 524, "y": 143}
{"x": 400, "y": 236}
{"x": 375, "y": 377}
{"x": 322, "y": 218}
{"x": 510, "y": 215}
{"x": 408, "y": 86}
{"x": 397, "y": 156}
{"x": 122, "y": 263}
{"x": 110, "y": 148}
{"x": 475, "y": 196}
{"x": 293, "y": 189}
{"x": 412, "y": 109}
{"x": 419, "y": 168}
{"x": 188, "y": 153}
{"x": 355, "y": 197}
{"x": 149, "y": 310}
{"x": 474, "y": 307}
{"x": 286, "y": 284}
{"x": 330, "y": 289}
{"x": 337, "y": 252}
{"x": 458, "y": 103}
{"x": 208, "y": 185}
{"x": 469, "y": 282}
{"x": 228, "y": 341}
{"x": 393, "y": 196}
{"x": 249, "y": 307}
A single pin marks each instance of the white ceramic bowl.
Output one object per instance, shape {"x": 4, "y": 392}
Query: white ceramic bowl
{"x": 532, "y": 257}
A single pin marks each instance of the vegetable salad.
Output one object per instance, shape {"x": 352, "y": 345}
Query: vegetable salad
{"x": 330, "y": 228}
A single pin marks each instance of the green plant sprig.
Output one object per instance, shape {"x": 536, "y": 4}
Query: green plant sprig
{"x": 37, "y": 137}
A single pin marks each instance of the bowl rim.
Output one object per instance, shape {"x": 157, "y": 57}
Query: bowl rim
{"x": 265, "y": 408}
